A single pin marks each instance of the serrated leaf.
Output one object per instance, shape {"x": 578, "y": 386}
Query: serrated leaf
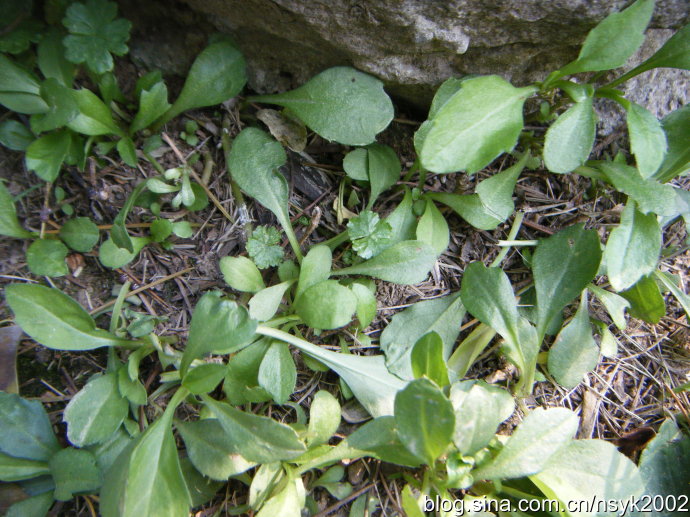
{"x": 241, "y": 274}
{"x": 479, "y": 122}
{"x": 541, "y": 434}
{"x": 326, "y": 305}
{"x": 369, "y": 234}
{"x": 278, "y": 373}
{"x": 9, "y": 224}
{"x": 427, "y": 359}
{"x": 27, "y": 432}
{"x": 563, "y": 265}
{"x": 264, "y": 247}
{"x": 425, "y": 419}
{"x": 47, "y": 257}
{"x": 340, "y": 104}
{"x": 81, "y": 234}
{"x": 676, "y": 125}
{"x": 153, "y": 103}
{"x": 646, "y": 301}
{"x": 96, "y": 411}
{"x": 574, "y": 353}
{"x": 45, "y": 155}
{"x": 55, "y": 320}
{"x": 569, "y": 140}
{"x": 74, "y": 471}
{"x": 94, "y": 34}
{"x": 647, "y": 139}
{"x": 633, "y": 248}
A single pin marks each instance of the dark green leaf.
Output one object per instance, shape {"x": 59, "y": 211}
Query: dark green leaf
{"x": 569, "y": 140}
{"x": 96, "y": 412}
{"x": 407, "y": 262}
{"x": 15, "y": 135}
{"x": 383, "y": 168}
{"x": 369, "y": 235}
{"x": 647, "y": 139}
{"x": 263, "y": 246}
{"x": 62, "y": 108}
{"x": 646, "y": 301}
{"x": 479, "y": 410}
{"x": 47, "y": 257}
{"x": 355, "y": 164}
{"x": 665, "y": 465}
{"x": 36, "y": 506}
{"x": 94, "y": 116}
{"x": 153, "y": 103}
{"x": 45, "y": 155}
{"x": 574, "y": 353}
{"x": 131, "y": 389}
{"x": 674, "y": 54}
{"x": 241, "y": 274}
{"x": 161, "y": 229}
{"x": 672, "y": 284}
{"x": 94, "y": 34}
{"x": 259, "y": 438}
{"x": 442, "y": 316}
{"x": 52, "y": 61}
{"x": 427, "y": 359}
{"x": 541, "y": 434}
{"x": 633, "y": 248}
{"x": 9, "y": 224}
{"x": 204, "y": 378}
{"x": 277, "y": 373}
{"x": 479, "y": 122}
{"x": 20, "y": 469}
{"x": 26, "y": 430}
{"x": 380, "y": 438}
{"x": 217, "y": 74}
{"x": 118, "y": 233}
{"x": 218, "y": 325}
{"x": 339, "y": 104}
{"x": 326, "y": 305}
{"x": 55, "y": 320}
{"x": 425, "y": 419}
{"x": 676, "y": 125}
{"x": 469, "y": 349}
{"x": 127, "y": 151}
{"x": 80, "y": 234}
{"x": 613, "y": 40}
{"x": 74, "y": 472}
{"x": 562, "y": 266}
{"x": 19, "y": 89}
{"x": 211, "y": 450}
{"x": 433, "y": 228}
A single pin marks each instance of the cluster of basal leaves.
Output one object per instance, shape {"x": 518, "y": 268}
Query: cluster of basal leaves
{"x": 240, "y": 350}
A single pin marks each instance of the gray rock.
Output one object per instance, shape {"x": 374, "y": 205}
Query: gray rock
{"x": 412, "y": 45}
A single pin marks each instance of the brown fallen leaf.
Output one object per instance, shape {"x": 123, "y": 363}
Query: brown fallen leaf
{"x": 634, "y": 441}
{"x": 285, "y": 129}
{"x": 9, "y": 341}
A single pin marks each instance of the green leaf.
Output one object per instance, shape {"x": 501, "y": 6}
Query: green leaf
{"x": 55, "y": 320}
{"x": 217, "y": 74}
{"x": 650, "y": 195}
{"x": 324, "y": 418}
{"x": 285, "y": 503}
{"x": 115, "y": 257}
{"x": 574, "y": 353}
{"x": 340, "y": 104}
{"x": 427, "y": 359}
{"x": 380, "y": 438}
{"x": 211, "y": 450}
{"x": 218, "y": 325}
{"x": 62, "y": 107}
{"x": 433, "y": 228}
{"x": 153, "y": 103}
{"x": 369, "y": 234}
{"x": 647, "y": 139}
{"x": 259, "y": 438}
{"x": 26, "y": 430}
{"x": 74, "y": 471}
{"x": 95, "y": 34}
{"x": 47, "y": 257}
{"x": 407, "y": 262}
{"x": 9, "y": 224}
{"x": 265, "y": 304}
{"x": 425, "y": 419}
{"x": 541, "y": 434}
{"x": 316, "y": 267}
{"x": 80, "y": 234}
{"x": 676, "y": 125}
{"x": 241, "y": 274}
{"x": 131, "y": 389}
{"x": 118, "y": 233}
{"x": 96, "y": 411}
{"x": 19, "y": 89}
{"x": 613, "y": 40}
{"x": 442, "y": 316}
{"x": 479, "y": 122}
{"x": 20, "y": 469}
{"x": 182, "y": 229}
{"x": 94, "y": 118}
{"x": 146, "y": 479}
{"x": 383, "y": 169}
{"x": 469, "y": 349}
{"x": 633, "y": 248}
{"x": 591, "y": 470}
{"x": 682, "y": 298}
{"x": 278, "y": 373}
{"x": 569, "y": 140}
{"x": 615, "y": 305}
{"x": 127, "y": 151}
{"x": 646, "y": 301}
{"x": 366, "y": 304}
{"x": 263, "y": 246}
{"x": 36, "y": 506}
{"x": 161, "y": 229}
{"x": 204, "y": 378}
{"x": 563, "y": 265}
{"x": 15, "y": 135}
{"x": 355, "y": 164}
{"x": 674, "y": 54}
{"x": 479, "y": 410}
{"x": 51, "y": 59}
{"x": 664, "y": 464}
{"x": 326, "y": 305}
{"x": 45, "y": 155}
{"x": 403, "y": 220}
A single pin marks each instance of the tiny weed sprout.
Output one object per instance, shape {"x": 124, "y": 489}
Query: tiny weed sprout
{"x": 290, "y": 308}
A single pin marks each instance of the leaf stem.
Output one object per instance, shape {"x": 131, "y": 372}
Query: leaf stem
{"x": 517, "y": 243}
{"x": 514, "y": 229}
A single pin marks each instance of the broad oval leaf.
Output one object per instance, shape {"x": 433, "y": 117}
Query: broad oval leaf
{"x": 647, "y": 139}
{"x": 96, "y": 412}
{"x": 265, "y": 303}
{"x": 562, "y": 266}
{"x": 241, "y": 274}
{"x": 479, "y": 122}
{"x": 277, "y": 372}
{"x": 47, "y": 257}
{"x": 114, "y": 257}
{"x": 569, "y": 140}
{"x": 425, "y": 419}
{"x": 407, "y": 262}
{"x": 324, "y": 418}
{"x": 541, "y": 434}
{"x": 633, "y": 248}
{"x": 55, "y": 320}
{"x": 646, "y": 300}
{"x": 326, "y": 305}
{"x": 259, "y": 438}
{"x": 26, "y": 430}
{"x": 74, "y": 471}
{"x": 340, "y": 104}
{"x": 427, "y": 359}
{"x": 81, "y": 234}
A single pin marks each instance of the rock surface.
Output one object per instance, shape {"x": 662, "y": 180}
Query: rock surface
{"x": 412, "y": 45}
